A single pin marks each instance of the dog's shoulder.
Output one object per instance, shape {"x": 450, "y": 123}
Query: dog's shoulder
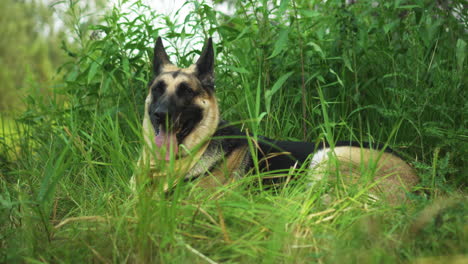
{"x": 228, "y": 137}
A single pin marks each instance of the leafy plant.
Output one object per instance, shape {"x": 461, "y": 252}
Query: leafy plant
{"x": 388, "y": 72}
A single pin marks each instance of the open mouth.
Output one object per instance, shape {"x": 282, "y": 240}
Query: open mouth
{"x": 171, "y": 131}
{"x": 168, "y": 140}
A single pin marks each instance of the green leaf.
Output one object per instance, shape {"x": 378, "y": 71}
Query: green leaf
{"x": 126, "y": 66}
{"x": 390, "y": 26}
{"x": 280, "y": 44}
{"x": 337, "y": 77}
{"x": 317, "y": 48}
{"x": 53, "y": 171}
{"x": 282, "y": 8}
{"x": 237, "y": 69}
{"x": 72, "y": 75}
{"x": 92, "y": 71}
{"x": 270, "y": 92}
{"x": 408, "y": 7}
{"x": 106, "y": 84}
{"x": 309, "y": 13}
{"x": 460, "y": 53}
{"x": 347, "y": 62}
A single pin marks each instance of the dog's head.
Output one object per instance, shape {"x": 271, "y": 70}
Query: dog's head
{"x": 180, "y": 108}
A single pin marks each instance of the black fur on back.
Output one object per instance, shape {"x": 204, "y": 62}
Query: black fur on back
{"x": 229, "y": 138}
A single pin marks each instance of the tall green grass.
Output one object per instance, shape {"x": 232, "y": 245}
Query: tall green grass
{"x": 393, "y": 74}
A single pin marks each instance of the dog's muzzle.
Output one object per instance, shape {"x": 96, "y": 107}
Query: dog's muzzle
{"x": 165, "y": 130}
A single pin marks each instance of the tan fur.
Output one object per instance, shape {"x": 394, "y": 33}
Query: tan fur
{"x": 194, "y": 145}
{"x": 172, "y": 82}
{"x": 207, "y": 126}
{"x": 208, "y": 103}
{"x": 225, "y": 173}
{"x": 386, "y": 175}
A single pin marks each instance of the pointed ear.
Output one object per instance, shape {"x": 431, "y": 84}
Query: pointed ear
{"x": 205, "y": 65}
{"x": 160, "y": 57}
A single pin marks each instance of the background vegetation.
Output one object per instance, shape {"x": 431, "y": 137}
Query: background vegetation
{"x": 391, "y": 72}
{"x": 28, "y": 57}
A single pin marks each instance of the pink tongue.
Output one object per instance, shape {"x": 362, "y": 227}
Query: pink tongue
{"x": 168, "y": 140}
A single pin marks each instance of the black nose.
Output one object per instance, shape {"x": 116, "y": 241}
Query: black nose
{"x": 160, "y": 116}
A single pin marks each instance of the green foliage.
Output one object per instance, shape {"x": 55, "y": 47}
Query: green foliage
{"x": 313, "y": 70}
{"x": 28, "y": 51}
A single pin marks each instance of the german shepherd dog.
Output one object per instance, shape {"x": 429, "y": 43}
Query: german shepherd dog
{"x": 186, "y": 140}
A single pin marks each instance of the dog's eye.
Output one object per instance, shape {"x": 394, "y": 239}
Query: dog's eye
{"x": 159, "y": 88}
{"x": 183, "y": 90}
